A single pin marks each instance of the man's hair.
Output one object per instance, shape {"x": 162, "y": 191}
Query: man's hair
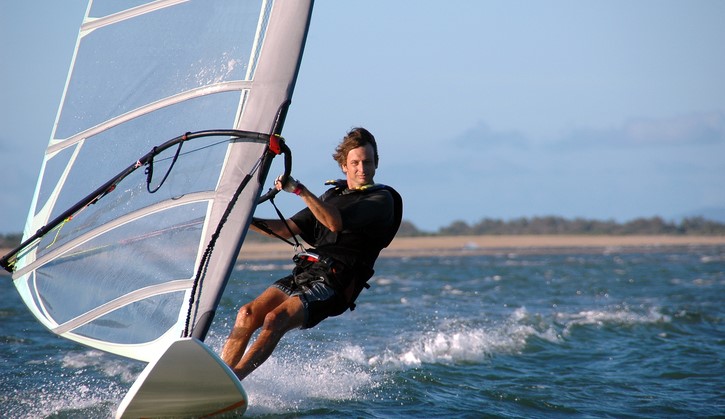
{"x": 357, "y": 137}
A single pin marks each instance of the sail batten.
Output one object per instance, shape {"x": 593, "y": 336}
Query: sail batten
{"x": 134, "y": 226}
{"x": 231, "y": 86}
{"x": 94, "y": 23}
{"x": 66, "y": 248}
{"x": 138, "y": 295}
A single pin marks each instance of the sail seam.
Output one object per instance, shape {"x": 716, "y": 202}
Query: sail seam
{"x": 258, "y": 39}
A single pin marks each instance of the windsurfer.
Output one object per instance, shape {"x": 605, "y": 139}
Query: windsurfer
{"x": 348, "y": 226}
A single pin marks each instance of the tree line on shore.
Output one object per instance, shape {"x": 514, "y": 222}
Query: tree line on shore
{"x": 694, "y": 226}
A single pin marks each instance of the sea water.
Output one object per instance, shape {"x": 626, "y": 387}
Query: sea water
{"x": 609, "y": 334}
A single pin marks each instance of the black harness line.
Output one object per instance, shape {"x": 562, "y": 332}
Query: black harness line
{"x": 150, "y": 168}
{"x": 262, "y": 225}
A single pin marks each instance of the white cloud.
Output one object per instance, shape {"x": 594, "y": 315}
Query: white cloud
{"x": 701, "y": 128}
{"x": 682, "y": 130}
{"x": 482, "y": 136}
{"x": 643, "y": 167}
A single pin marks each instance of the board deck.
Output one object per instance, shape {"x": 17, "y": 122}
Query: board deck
{"x": 188, "y": 380}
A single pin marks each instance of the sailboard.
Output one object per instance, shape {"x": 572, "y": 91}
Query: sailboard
{"x": 171, "y": 386}
{"x": 169, "y": 121}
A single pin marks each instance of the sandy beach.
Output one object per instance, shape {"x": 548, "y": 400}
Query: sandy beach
{"x": 482, "y": 245}
{"x": 491, "y": 245}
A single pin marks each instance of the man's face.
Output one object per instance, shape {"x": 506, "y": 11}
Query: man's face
{"x": 360, "y": 166}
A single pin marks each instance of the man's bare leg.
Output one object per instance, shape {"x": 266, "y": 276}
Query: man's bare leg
{"x": 250, "y": 318}
{"x": 289, "y": 315}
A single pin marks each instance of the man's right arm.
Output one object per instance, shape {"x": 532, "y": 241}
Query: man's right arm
{"x": 277, "y": 227}
{"x": 327, "y": 214}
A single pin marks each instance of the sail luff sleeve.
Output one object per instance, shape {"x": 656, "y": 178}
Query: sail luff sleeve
{"x": 272, "y": 87}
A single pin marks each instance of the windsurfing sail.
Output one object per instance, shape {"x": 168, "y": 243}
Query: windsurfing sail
{"x": 134, "y": 227}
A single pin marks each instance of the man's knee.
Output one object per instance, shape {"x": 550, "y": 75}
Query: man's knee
{"x": 279, "y": 322}
{"x": 244, "y": 312}
{"x": 273, "y": 321}
{"x": 248, "y": 316}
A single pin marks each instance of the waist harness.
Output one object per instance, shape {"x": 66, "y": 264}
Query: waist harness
{"x": 311, "y": 267}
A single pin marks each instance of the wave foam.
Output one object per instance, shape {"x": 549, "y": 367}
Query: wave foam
{"x": 616, "y": 316}
{"x": 86, "y": 386}
{"x": 460, "y": 343}
{"x": 288, "y": 382}
{"x": 124, "y": 369}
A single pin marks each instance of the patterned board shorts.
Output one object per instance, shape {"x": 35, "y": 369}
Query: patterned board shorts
{"x": 319, "y": 300}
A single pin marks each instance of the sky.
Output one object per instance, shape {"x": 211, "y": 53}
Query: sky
{"x": 609, "y": 110}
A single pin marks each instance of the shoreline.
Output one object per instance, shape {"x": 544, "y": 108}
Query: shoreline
{"x": 495, "y": 245}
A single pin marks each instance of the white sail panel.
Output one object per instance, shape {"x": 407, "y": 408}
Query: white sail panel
{"x": 120, "y": 273}
{"x": 131, "y": 63}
